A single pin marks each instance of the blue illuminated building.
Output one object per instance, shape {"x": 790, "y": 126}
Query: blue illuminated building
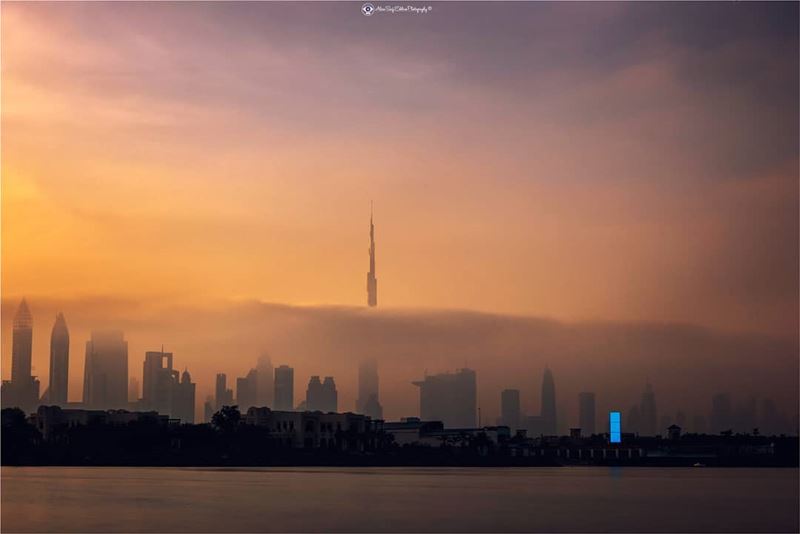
{"x": 614, "y": 427}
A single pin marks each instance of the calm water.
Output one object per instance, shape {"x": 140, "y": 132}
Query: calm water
{"x": 585, "y": 499}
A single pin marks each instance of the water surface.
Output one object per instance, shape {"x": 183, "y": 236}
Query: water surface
{"x": 570, "y": 499}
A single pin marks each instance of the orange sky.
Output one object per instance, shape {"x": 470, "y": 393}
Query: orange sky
{"x": 592, "y": 162}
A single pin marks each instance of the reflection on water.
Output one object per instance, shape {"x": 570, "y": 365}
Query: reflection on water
{"x": 576, "y": 499}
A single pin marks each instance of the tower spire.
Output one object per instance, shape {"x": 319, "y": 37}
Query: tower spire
{"x": 372, "y": 282}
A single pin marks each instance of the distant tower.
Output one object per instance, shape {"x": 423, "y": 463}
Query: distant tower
{"x": 158, "y": 379}
{"x": 548, "y": 403}
{"x": 22, "y": 390}
{"x": 372, "y": 282}
{"x": 21, "y": 345}
{"x": 510, "y": 408}
{"x": 59, "y": 362}
{"x": 314, "y": 395}
{"x": 284, "y": 388}
{"x": 330, "y": 396}
{"x": 105, "y": 372}
{"x": 183, "y": 408}
{"x": 450, "y": 398}
{"x": 367, "y": 402}
{"x": 247, "y": 390}
{"x": 265, "y": 394}
{"x": 223, "y": 396}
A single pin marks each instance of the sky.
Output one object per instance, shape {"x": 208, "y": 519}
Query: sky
{"x": 576, "y": 162}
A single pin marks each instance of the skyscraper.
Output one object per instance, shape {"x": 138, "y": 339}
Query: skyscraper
{"x": 184, "y": 399}
{"x": 322, "y": 396}
{"x": 265, "y": 381}
{"x": 222, "y": 395}
{"x": 247, "y": 390}
{"x": 372, "y": 282}
{"x": 330, "y": 397}
{"x": 208, "y": 409}
{"x": 648, "y": 412}
{"x": 165, "y": 390}
{"x": 105, "y": 376}
{"x": 22, "y": 390}
{"x": 158, "y": 382}
{"x": 587, "y": 416}
{"x": 21, "y": 344}
{"x": 548, "y": 403}
{"x": 314, "y": 394}
{"x": 59, "y": 362}
{"x": 284, "y": 388}
{"x": 368, "y": 401}
{"x": 510, "y": 408}
{"x": 450, "y": 398}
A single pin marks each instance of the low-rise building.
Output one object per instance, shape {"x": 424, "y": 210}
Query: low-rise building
{"x": 414, "y": 431}
{"x": 315, "y": 430}
{"x": 50, "y": 418}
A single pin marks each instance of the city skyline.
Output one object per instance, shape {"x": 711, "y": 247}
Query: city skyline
{"x": 584, "y": 240}
{"x": 750, "y": 405}
{"x": 451, "y": 398}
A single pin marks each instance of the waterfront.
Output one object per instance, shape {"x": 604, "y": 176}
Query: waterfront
{"x": 572, "y": 499}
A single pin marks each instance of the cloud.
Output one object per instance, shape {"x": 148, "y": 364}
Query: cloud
{"x": 606, "y": 162}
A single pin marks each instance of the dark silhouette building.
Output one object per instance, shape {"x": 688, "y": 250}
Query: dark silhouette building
{"x": 372, "y": 282}
{"x": 548, "y": 403}
{"x": 450, "y": 398}
{"x": 247, "y": 390}
{"x": 284, "y": 388}
{"x": 265, "y": 381}
{"x": 184, "y": 399}
{"x": 22, "y": 344}
{"x": 368, "y": 400}
{"x": 22, "y": 390}
{"x": 222, "y": 395}
{"x": 510, "y": 408}
{"x": 105, "y": 376}
{"x": 165, "y": 390}
{"x": 59, "y": 363}
{"x": 314, "y": 394}
{"x": 208, "y": 409}
{"x": 158, "y": 377}
{"x": 321, "y": 396}
{"x": 587, "y": 415}
{"x": 330, "y": 397}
